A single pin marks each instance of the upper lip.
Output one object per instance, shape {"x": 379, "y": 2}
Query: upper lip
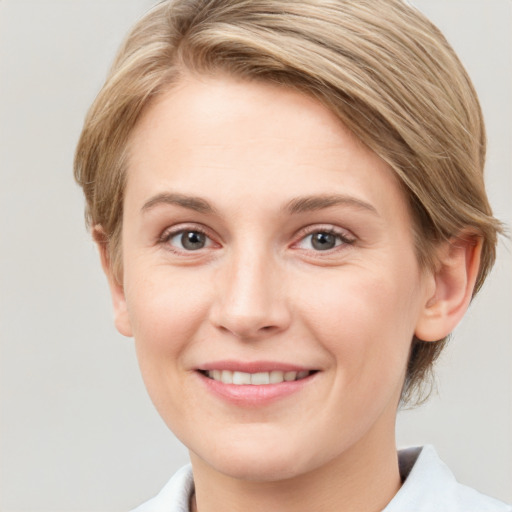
{"x": 252, "y": 366}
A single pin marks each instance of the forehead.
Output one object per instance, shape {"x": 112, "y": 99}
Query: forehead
{"x": 223, "y": 111}
{"x": 221, "y": 135}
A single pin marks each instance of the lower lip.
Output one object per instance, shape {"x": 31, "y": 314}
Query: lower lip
{"x": 251, "y": 395}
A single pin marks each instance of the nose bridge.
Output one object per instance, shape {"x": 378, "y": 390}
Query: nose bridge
{"x": 250, "y": 298}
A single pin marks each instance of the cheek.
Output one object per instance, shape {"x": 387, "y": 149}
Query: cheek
{"x": 165, "y": 312}
{"x": 365, "y": 320}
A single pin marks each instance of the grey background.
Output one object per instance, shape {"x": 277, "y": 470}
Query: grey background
{"x": 77, "y": 429}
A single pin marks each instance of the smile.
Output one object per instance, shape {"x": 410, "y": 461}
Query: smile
{"x": 256, "y": 379}
{"x": 255, "y": 383}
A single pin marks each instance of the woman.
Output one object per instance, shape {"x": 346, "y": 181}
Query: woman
{"x": 289, "y": 205}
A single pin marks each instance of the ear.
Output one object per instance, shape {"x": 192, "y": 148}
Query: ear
{"x": 454, "y": 281}
{"x": 121, "y": 316}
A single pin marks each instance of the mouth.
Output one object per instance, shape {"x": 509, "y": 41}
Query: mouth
{"x": 239, "y": 378}
{"x": 256, "y": 383}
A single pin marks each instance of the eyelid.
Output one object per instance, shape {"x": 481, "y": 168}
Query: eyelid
{"x": 345, "y": 235}
{"x": 167, "y": 234}
{"x": 172, "y": 231}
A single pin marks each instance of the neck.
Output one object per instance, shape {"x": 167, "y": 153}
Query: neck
{"x": 365, "y": 478}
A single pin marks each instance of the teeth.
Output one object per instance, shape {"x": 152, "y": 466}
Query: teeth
{"x": 276, "y": 377}
{"x": 226, "y": 377}
{"x": 290, "y": 376}
{"x": 241, "y": 378}
{"x": 260, "y": 378}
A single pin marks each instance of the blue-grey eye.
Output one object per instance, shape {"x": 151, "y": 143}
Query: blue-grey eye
{"x": 189, "y": 240}
{"x": 324, "y": 241}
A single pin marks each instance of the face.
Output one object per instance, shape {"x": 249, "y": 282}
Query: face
{"x": 269, "y": 279}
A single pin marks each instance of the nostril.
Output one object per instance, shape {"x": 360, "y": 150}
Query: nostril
{"x": 247, "y": 332}
{"x": 249, "y": 323}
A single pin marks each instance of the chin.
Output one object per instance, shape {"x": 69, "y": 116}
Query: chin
{"x": 259, "y": 459}
{"x": 261, "y": 469}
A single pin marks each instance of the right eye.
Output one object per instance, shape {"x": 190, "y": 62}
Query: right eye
{"x": 188, "y": 240}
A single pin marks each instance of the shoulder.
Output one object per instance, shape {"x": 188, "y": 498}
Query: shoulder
{"x": 430, "y": 486}
{"x": 174, "y": 497}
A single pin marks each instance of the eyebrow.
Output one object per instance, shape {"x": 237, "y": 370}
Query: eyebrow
{"x": 192, "y": 203}
{"x": 295, "y": 206}
{"x": 319, "y": 202}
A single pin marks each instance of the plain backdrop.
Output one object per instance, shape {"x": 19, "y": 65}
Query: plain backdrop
{"x": 78, "y": 431}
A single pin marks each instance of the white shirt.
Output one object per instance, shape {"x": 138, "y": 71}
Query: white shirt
{"x": 429, "y": 486}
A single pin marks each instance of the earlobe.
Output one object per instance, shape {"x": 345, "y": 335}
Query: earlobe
{"x": 454, "y": 281}
{"x": 121, "y": 316}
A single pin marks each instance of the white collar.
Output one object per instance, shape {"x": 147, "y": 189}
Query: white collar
{"x": 429, "y": 486}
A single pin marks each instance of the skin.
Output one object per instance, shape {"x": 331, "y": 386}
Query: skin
{"x": 260, "y": 290}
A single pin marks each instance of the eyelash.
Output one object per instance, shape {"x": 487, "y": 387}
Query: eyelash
{"x": 169, "y": 234}
{"x": 326, "y": 230}
{"x": 345, "y": 240}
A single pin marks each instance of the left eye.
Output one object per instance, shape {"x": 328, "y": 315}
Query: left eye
{"x": 189, "y": 240}
{"x": 322, "y": 241}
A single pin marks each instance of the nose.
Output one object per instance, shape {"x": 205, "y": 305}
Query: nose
{"x": 250, "y": 297}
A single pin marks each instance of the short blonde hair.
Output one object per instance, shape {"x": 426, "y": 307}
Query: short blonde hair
{"x": 384, "y": 69}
